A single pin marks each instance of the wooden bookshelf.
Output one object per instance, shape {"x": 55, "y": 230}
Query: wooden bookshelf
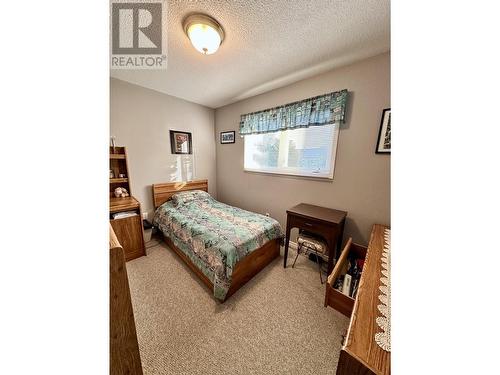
{"x": 118, "y": 165}
{"x": 128, "y": 229}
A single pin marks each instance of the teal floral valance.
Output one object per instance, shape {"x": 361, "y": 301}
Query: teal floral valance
{"x": 320, "y": 110}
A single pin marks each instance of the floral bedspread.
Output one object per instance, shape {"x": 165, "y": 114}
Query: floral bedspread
{"x": 214, "y": 235}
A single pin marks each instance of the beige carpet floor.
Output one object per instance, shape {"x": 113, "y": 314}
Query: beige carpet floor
{"x": 275, "y": 324}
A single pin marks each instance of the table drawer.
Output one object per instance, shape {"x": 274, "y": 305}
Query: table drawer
{"x": 333, "y": 297}
{"x": 310, "y": 224}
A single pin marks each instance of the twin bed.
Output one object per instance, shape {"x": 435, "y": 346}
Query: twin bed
{"x": 224, "y": 245}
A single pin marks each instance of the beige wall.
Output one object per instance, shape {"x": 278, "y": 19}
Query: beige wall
{"x": 361, "y": 183}
{"x": 141, "y": 120}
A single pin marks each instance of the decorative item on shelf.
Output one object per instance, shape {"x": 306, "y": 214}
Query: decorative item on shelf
{"x": 227, "y": 137}
{"x": 384, "y": 133}
{"x": 122, "y": 175}
{"x": 121, "y": 192}
{"x": 180, "y": 142}
{"x": 111, "y": 174}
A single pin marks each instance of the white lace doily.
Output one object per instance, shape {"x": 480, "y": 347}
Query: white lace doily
{"x": 383, "y": 339}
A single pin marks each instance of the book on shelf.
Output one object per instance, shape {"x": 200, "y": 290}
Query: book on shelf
{"x": 346, "y": 287}
{"x": 124, "y": 214}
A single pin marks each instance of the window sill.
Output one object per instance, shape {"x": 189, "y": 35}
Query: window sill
{"x": 289, "y": 175}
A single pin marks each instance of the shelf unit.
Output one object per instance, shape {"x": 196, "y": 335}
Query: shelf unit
{"x": 118, "y": 180}
{"x": 118, "y": 165}
{"x": 128, "y": 230}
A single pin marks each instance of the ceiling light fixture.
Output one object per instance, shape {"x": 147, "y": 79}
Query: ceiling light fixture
{"x": 205, "y": 33}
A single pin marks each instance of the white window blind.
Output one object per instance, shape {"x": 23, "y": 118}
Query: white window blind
{"x": 301, "y": 152}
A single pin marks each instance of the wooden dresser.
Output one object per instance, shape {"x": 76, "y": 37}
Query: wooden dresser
{"x": 124, "y": 348}
{"x": 361, "y": 355}
{"x": 128, "y": 230}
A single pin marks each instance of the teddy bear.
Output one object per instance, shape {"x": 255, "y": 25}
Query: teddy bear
{"x": 121, "y": 192}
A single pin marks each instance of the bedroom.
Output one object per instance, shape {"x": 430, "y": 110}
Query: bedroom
{"x": 209, "y": 187}
{"x": 202, "y": 126}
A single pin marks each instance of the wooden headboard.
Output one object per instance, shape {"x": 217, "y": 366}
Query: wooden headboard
{"x": 163, "y": 192}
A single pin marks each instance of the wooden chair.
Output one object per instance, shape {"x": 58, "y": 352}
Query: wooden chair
{"x": 309, "y": 243}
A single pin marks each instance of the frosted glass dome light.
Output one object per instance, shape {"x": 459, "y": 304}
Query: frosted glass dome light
{"x": 205, "y": 34}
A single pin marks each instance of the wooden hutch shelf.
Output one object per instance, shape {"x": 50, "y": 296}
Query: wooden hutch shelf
{"x": 117, "y": 156}
{"x": 128, "y": 229}
{"x": 117, "y": 180}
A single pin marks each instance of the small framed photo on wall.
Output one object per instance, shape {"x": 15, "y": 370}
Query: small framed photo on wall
{"x": 227, "y": 137}
{"x": 180, "y": 142}
{"x": 384, "y": 134}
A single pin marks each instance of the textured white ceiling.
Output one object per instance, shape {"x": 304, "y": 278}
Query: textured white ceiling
{"x": 268, "y": 44}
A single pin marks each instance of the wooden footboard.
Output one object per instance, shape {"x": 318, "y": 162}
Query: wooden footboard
{"x": 244, "y": 270}
{"x": 252, "y": 264}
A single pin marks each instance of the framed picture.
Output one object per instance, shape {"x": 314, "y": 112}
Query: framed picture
{"x": 227, "y": 137}
{"x": 384, "y": 134}
{"x": 180, "y": 142}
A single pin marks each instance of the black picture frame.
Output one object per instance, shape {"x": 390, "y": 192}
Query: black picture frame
{"x": 384, "y": 133}
{"x": 178, "y": 147}
{"x": 227, "y": 137}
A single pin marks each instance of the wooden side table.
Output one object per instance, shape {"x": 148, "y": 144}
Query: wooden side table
{"x": 325, "y": 222}
{"x": 128, "y": 230}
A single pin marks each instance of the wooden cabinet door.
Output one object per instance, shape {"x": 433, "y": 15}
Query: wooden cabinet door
{"x": 129, "y": 232}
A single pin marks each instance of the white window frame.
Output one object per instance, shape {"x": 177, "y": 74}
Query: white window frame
{"x": 292, "y": 171}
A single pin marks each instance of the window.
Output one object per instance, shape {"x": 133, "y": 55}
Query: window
{"x": 300, "y": 152}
